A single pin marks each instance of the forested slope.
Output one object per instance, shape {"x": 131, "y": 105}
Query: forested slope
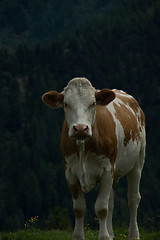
{"x": 120, "y": 49}
{"x": 40, "y": 21}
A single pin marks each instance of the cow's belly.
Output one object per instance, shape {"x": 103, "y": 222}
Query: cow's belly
{"x": 127, "y": 156}
{"x": 88, "y": 172}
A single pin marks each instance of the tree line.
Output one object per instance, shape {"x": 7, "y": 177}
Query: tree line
{"x": 119, "y": 50}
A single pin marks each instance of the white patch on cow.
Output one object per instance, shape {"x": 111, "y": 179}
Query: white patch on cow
{"x": 122, "y": 93}
{"x": 87, "y": 170}
{"x": 83, "y": 173}
{"x": 126, "y": 159}
{"x": 138, "y": 113}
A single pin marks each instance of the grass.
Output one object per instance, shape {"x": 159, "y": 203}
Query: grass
{"x": 120, "y": 234}
{"x": 36, "y": 235}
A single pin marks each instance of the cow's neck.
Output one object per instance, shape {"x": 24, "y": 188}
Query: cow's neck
{"x": 83, "y": 178}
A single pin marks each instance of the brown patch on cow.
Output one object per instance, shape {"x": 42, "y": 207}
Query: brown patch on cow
{"x": 102, "y": 214}
{"x": 103, "y": 140}
{"x": 74, "y": 191}
{"x": 133, "y": 104}
{"x": 104, "y": 97}
{"x": 53, "y": 99}
{"x": 68, "y": 144}
{"x": 143, "y": 120}
{"x": 127, "y": 100}
{"x": 128, "y": 122}
{"x": 128, "y": 119}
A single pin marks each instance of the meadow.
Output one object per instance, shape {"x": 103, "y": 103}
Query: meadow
{"x": 34, "y": 234}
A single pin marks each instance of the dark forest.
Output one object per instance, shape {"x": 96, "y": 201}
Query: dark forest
{"x": 44, "y": 44}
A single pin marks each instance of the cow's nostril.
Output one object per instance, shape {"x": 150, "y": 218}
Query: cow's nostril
{"x": 75, "y": 128}
{"x": 85, "y": 129}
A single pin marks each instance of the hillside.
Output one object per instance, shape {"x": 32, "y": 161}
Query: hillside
{"x": 118, "y": 49}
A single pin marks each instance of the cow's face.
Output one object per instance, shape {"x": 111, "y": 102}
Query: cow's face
{"x": 79, "y": 107}
{"x": 79, "y": 99}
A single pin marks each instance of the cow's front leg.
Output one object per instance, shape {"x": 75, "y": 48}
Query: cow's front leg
{"x": 79, "y": 206}
{"x": 101, "y": 206}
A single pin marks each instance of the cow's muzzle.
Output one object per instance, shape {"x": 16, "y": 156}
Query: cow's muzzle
{"x": 80, "y": 131}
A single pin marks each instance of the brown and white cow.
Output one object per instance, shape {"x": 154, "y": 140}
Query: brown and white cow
{"x": 103, "y": 139}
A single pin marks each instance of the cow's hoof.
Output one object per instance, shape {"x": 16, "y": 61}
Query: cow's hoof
{"x": 76, "y": 237}
{"x": 106, "y": 238}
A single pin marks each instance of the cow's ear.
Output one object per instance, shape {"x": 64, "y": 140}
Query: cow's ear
{"x": 53, "y": 99}
{"x": 104, "y": 96}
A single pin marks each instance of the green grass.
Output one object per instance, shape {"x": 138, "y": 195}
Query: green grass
{"x": 36, "y": 235}
{"x": 120, "y": 234}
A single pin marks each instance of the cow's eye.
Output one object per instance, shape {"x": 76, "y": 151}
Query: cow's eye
{"x": 93, "y": 104}
{"x": 66, "y": 105}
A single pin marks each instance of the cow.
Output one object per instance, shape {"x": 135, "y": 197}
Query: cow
{"x": 102, "y": 140}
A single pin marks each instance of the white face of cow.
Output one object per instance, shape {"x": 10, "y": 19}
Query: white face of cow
{"x": 79, "y": 107}
{"x": 79, "y": 99}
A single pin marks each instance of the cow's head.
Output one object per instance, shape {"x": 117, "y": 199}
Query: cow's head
{"x": 79, "y": 100}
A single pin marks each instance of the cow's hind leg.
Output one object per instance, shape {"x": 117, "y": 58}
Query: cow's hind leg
{"x": 110, "y": 214}
{"x": 79, "y": 206}
{"x": 134, "y": 196}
